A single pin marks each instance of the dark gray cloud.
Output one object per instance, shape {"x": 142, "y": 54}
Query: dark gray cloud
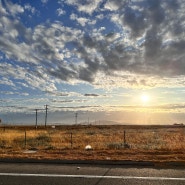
{"x": 135, "y": 20}
{"x": 63, "y": 101}
{"x": 160, "y": 53}
{"x": 93, "y": 95}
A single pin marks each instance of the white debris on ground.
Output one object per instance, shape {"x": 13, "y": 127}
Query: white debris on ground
{"x": 88, "y": 147}
{"x": 29, "y": 151}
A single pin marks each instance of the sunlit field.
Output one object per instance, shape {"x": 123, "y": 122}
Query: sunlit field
{"x": 153, "y": 143}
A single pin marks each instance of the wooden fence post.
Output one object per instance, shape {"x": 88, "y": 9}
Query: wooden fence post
{"x": 25, "y": 139}
{"x": 71, "y": 140}
{"x": 124, "y": 137}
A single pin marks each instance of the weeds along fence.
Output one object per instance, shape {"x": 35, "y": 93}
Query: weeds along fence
{"x": 98, "y": 139}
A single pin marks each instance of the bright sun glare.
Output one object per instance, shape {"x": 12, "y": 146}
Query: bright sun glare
{"x": 145, "y": 98}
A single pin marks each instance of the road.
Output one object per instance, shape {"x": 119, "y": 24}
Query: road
{"x": 60, "y": 174}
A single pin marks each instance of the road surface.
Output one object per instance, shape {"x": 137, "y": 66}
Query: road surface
{"x": 59, "y": 174}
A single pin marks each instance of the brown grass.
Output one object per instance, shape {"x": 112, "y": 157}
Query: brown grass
{"x": 151, "y": 143}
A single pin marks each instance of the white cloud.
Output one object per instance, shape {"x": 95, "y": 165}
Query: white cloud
{"x": 100, "y": 16}
{"x": 50, "y": 87}
{"x": 60, "y": 12}
{"x": 81, "y": 20}
{"x": 30, "y": 8}
{"x": 28, "y": 78}
{"x": 73, "y": 16}
{"x": 87, "y": 6}
{"x": 44, "y": 1}
{"x": 112, "y": 5}
{"x": 2, "y": 9}
{"x": 5, "y": 81}
{"x": 9, "y": 71}
{"x": 14, "y": 9}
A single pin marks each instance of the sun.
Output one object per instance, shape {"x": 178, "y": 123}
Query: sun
{"x": 145, "y": 98}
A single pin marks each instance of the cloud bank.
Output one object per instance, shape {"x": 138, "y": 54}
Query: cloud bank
{"x": 123, "y": 41}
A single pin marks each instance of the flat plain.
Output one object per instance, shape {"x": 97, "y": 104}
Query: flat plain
{"x": 154, "y": 143}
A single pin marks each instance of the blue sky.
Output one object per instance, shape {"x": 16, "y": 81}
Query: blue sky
{"x": 113, "y": 60}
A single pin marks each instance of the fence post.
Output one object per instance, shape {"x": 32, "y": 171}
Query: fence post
{"x": 25, "y": 143}
{"x": 71, "y": 140}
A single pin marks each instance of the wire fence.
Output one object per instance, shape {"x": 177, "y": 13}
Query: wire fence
{"x": 97, "y": 139}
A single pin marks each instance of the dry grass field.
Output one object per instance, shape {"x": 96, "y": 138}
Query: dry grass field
{"x": 116, "y": 142}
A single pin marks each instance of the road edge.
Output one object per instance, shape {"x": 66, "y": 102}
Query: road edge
{"x": 170, "y": 164}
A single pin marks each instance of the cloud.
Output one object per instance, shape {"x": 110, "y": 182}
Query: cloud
{"x": 81, "y": 20}
{"x": 62, "y": 101}
{"x": 146, "y": 21}
{"x": 44, "y": 1}
{"x": 14, "y": 9}
{"x": 166, "y": 108}
{"x": 69, "y": 101}
{"x": 60, "y": 12}
{"x": 5, "y": 81}
{"x": 30, "y": 8}
{"x": 24, "y": 77}
{"x": 141, "y": 43}
{"x": 13, "y": 93}
{"x": 77, "y": 107}
{"x": 58, "y": 93}
{"x": 2, "y": 9}
{"x": 92, "y": 95}
{"x": 86, "y": 6}
{"x": 114, "y": 5}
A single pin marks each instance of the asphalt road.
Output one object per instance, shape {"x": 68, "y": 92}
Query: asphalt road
{"x": 58, "y": 174}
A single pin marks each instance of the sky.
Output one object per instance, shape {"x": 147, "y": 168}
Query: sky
{"x": 120, "y": 61}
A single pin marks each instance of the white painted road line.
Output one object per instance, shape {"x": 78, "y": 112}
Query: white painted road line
{"x": 92, "y": 176}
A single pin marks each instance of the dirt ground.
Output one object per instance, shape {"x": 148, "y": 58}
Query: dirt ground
{"x": 159, "y": 155}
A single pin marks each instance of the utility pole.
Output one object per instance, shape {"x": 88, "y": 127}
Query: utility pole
{"x": 46, "y": 115}
{"x": 76, "y": 116}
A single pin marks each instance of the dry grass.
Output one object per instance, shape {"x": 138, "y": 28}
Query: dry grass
{"x": 153, "y": 143}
